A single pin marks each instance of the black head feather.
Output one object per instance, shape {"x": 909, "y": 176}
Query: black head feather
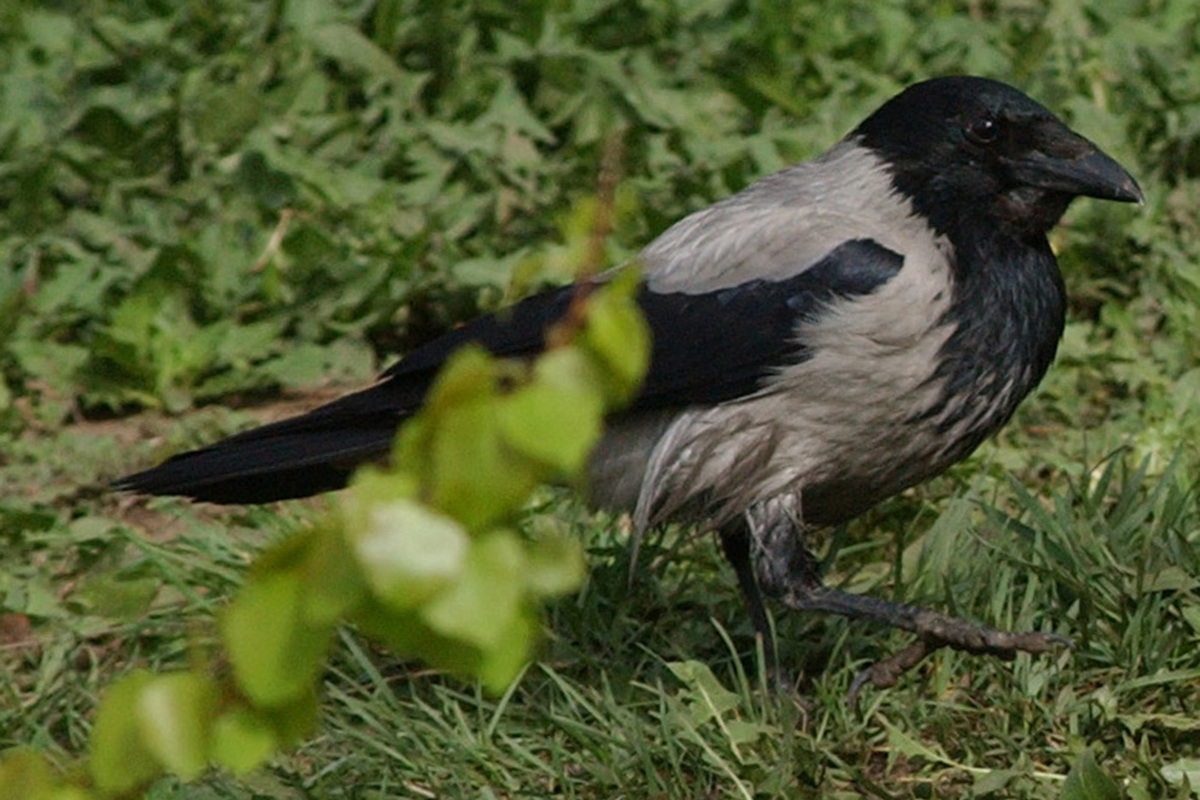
{"x": 968, "y": 149}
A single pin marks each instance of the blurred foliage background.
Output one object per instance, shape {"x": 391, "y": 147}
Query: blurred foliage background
{"x": 208, "y": 205}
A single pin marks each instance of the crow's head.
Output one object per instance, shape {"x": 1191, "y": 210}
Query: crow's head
{"x": 965, "y": 148}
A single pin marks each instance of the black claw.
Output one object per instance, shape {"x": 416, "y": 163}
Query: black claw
{"x": 886, "y": 672}
{"x": 1060, "y": 640}
{"x": 856, "y": 686}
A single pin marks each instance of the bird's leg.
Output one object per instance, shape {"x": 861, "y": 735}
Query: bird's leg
{"x": 735, "y": 541}
{"x": 787, "y": 571}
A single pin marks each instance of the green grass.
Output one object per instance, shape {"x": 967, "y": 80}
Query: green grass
{"x": 212, "y": 211}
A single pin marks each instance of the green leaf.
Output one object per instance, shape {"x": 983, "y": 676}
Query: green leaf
{"x": 120, "y": 759}
{"x": 1087, "y": 781}
{"x": 309, "y": 365}
{"x": 903, "y": 743}
{"x": 272, "y": 189}
{"x": 55, "y": 364}
{"x": 116, "y": 596}
{"x": 707, "y": 697}
{"x": 510, "y": 652}
{"x": 1175, "y": 722}
{"x": 409, "y": 552}
{"x": 242, "y": 740}
{"x": 351, "y": 49}
{"x": 221, "y": 113}
{"x": 1182, "y": 771}
{"x": 618, "y": 336}
{"x": 555, "y": 420}
{"x": 467, "y": 375}
{"x": 335, "y": 583}
{"x": 994, "y": 780}
{"x": 174, "y": 714}
{"x": 476, "y": 478}
{"x": 455, "y": 448}
{"x": 296, "y": 719}
{"x": 482, "y": 603}
{"x": 554, "y": 565}
{"x": 406, "y": 632}
{"x": 275, "y": 651}
{"x": 26, "y": 775}
{"x": 744, "y": 731}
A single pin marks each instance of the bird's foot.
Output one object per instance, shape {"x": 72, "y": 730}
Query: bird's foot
{"x": 936, "y": 631}
{"x": 788, "y": 571}
{"x": 959, "y": 634}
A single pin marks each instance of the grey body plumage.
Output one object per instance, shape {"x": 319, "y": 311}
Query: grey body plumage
{"x": 825, "y": 338}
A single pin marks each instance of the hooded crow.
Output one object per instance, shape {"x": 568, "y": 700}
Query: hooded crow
{"x": 827, "y": 337}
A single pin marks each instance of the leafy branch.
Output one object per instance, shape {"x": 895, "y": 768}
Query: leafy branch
{"x": 422, "y": 556}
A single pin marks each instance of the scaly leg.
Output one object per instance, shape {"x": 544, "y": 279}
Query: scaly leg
{"x": 735, "y": 541}
{"x": 787, "y": 571}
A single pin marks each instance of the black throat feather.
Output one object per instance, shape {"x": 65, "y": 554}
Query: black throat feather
{"x": 1007, "y": 313}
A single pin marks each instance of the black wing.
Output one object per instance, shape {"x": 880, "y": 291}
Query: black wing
{"x": 707, "y": 348}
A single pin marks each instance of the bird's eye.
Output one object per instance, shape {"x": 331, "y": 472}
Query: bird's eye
{"x": 983, "y": 130}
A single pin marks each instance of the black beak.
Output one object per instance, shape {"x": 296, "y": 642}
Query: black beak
{"x": 1077, "y": 167}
